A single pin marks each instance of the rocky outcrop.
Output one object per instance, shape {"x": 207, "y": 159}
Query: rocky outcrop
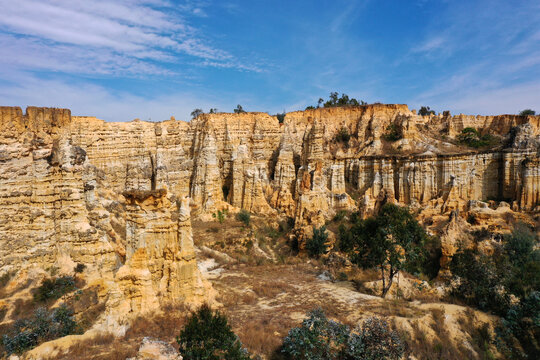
{"x": 114, "y": 196}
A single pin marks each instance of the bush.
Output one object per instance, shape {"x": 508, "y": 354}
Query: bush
{"x": 316, "y": 246}
{"x": 208, "y": 336}
{"x": 244, "y": 216}
{"x": 42, "y": 326}
{"x": 472, "y": 138}
{"x": 321, "y": 339}
{"x": 281, "y": 117}
{"x": 54, "y": 288}
{"x": 79, "y": 268}
{"x": 343, "y": 136}
{"x": 393, "y": 133}
{"x": 490, "y": 283}
{"x": 220, "y": 215}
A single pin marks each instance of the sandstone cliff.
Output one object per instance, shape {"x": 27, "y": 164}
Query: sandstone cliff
{"x": 114, "y": 196}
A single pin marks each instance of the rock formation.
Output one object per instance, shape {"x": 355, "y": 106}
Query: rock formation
{"x": 117, "y": 197}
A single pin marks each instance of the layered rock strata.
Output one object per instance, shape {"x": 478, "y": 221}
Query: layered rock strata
{"x": 114, "y": 195}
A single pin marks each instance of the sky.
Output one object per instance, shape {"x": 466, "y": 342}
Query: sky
{"x": 152, "y": 59}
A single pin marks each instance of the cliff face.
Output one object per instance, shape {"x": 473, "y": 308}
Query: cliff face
{"x": 114, "y": 195}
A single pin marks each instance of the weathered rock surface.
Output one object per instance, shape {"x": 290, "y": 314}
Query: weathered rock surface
{"x": 117, "y": 197}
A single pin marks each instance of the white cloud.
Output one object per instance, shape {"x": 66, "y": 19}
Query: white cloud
{"x": 104, "y": 37}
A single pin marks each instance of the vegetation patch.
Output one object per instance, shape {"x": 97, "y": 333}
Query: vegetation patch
{"x": 472, "y": 138}
{"x": 321, "y": 338}
{"x": 208, "y": 336}
{"x": 316, "y": 246}
{"x": 54, "y": 288}
{"x": 43, "y": 326}
{"x": 506, "y": 283}
{"x": 393, "y": 133}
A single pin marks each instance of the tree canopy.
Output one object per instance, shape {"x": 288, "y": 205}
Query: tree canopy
{"x": 239, "y": 109}
{"x": 391, "y": 241}
{"x": 527, "y": 112}
{"x": 208, "y": 336}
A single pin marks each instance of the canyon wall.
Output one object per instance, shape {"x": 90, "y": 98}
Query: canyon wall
{"x": 118, "y": 197}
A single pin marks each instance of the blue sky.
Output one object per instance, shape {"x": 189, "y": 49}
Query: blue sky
{"x": 151, "y": 59}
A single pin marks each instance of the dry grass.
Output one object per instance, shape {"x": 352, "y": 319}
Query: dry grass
{"x": 165, "y": 326}
{"x": 271, "y": 288}
{"x": 100, "y": 347}
{"x": 264, "y": 334}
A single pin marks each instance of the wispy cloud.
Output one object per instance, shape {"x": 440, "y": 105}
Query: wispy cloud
{"x": 486, "y": 56}
{"x": 104, "y": 37}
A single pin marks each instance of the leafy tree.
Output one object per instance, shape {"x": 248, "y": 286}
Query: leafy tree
{"x": 316, "y": 246}
{"x": 344, "y": 100}
{"x": 392, "y": 241}
{"x": 490, "y": 282}
{"x": 319, "y": 338}
{"x": 518, "y": 334}
{"x": 310, "y": 107}
{"x": 239, "y": 109}
{"x": 281, "y": 117}
{"x": 425, "y": 110}
{"x": 244, "y": 216}
{"x": 320, "y": 102}
{"x": 195, "y": 113}
{"x": 43, "y": 326}
{"x": 208, "y": 336}
{"x": 213, "y": 111}
{"x": 477, "y": 281}
{"x": 527, "y": 112}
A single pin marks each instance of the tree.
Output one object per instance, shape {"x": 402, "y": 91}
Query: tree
{"x": 316, "y": 246}
{"x": 527, "y": 112}
{"x": 320, "y": 102}
{"x": 281, "y": 117}
{"x": 425, "y": 110}
{"x": 239, "y": 109}
{"x": 392, "y": 241}
{"x": 213, "y": 111}
{"x": 43, "y": 325}
{"x": 195, "y": 113}
{"x": 208, "y": 336}
{"x": 319, "y": 338}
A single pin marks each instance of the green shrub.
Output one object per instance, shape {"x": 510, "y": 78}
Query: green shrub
{"x": 79, "y": 268}
{"x": 393, "y": 133}
{"x": 489, "y": 282}
{"x": 316, "y": 246}
{"x": 244, "y": 216}
{"x": 321, "y": 339}
{"x": 472, "y": 138}
{"x": 43, "y": 326}
{"x": 343, "y": 136}
{"x": 220, "y": 215}
{"x": 54, "y": 288}
{"x": 208, "y": 336}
